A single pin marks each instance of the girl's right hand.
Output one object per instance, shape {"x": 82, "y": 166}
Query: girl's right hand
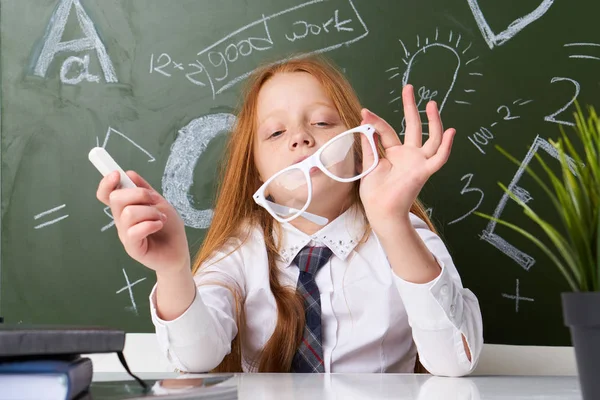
{"x": 149, "y": 227}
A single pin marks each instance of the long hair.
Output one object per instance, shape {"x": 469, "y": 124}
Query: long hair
{"x": 235, "y": 208}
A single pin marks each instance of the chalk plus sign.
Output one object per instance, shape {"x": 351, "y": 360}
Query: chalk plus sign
{"x": 128, "y": 288}
{"x": 517, "y": 297}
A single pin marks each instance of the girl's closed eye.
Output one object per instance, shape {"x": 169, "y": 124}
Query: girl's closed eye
{"x": 275, "y": 134}
{"x": 325, "y": 123}
{"x": 325, "y": 119}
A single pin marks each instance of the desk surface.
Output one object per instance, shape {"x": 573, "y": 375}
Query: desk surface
{"x": 370, "y": 386}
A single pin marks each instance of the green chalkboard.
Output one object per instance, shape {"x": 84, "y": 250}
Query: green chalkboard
{"x": 156, "y": 83}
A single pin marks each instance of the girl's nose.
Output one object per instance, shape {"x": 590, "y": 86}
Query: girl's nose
{"x": 302, "y": 138}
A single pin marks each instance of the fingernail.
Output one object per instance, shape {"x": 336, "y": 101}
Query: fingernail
{"x": 163, "y": 217}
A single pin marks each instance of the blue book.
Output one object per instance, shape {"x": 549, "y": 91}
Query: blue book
{"x": 42, "y": 379}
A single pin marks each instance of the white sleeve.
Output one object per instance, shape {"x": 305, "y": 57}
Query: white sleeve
{"x": 440, "y": 312}
{"x": 199, "y": 339}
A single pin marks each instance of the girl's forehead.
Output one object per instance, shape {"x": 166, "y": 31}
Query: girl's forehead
{"x": 288, "y": 91}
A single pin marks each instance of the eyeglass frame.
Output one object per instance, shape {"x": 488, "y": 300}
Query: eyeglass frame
{"x": 305, "y": 166}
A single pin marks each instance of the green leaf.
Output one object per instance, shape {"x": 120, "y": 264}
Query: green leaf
{"x": 597, "y": 280}
{"x": 580, "y": 236}
{"x": 566, "y": 211}
{"x": 581, "y": 173}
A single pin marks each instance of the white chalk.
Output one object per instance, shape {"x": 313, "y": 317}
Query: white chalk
{"x": 106, "y": 164}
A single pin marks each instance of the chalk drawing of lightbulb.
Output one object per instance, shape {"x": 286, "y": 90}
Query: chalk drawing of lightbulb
{"x": 439, "y": 87}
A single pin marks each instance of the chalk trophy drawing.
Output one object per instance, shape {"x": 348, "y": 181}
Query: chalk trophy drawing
{"x": 517, "y": 297}
{"x": 128, "y": 287}
{"x": 438, "y": 88}
{"x": 523, "y": 259}
{"x": 590, "y": 46}
{"x": 113, "y": 132}
{"x": 498, "y": 39}
{"x": 90, "y": 41}
{"x": 179, "y": 171}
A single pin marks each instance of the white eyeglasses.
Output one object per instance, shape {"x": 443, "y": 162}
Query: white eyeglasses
{"x": 289, "y": 191}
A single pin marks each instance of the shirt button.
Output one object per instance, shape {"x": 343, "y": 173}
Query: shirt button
{"x": 452, "y": 308}
{"x": 444, "y": 290}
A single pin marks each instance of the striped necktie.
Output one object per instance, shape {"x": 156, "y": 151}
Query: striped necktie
{"x": 309, "y": 356}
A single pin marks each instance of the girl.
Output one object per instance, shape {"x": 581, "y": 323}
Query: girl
{"x": 256, "y": 299}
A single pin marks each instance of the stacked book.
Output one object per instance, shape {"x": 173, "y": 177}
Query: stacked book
{"x": 42, "y": 379}
{"x": 45, "y": 362}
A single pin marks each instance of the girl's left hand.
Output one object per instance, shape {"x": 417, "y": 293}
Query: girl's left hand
{"x": 389, "y": 191}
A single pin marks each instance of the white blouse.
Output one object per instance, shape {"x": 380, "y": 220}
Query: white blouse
{"x": 372, "y": 320}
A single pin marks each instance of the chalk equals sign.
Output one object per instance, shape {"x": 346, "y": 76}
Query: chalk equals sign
{"x": 53, "y": 210}
{"x": 594, "y": 48}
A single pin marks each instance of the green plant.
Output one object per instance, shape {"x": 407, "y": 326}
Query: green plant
{"x": 576, "y": 198}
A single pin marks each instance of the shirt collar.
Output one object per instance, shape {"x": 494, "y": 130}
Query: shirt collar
{"x": 341, "y": 235}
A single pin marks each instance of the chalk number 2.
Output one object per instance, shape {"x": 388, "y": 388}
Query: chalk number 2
{"x": 552, "y": 117}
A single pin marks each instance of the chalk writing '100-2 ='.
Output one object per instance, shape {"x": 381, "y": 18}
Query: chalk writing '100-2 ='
{"x": 484, "y": 135}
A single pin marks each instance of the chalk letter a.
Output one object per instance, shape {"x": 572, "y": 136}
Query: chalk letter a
{"x": 91, "y": 41}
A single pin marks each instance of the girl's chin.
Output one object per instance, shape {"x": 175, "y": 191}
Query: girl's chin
{"x": 329, "y": 194}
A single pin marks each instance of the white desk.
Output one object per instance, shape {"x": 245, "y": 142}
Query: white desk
{"x": 385, "y": 386}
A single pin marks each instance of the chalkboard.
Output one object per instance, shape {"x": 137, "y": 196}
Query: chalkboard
{"x": 156, "y": 82}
